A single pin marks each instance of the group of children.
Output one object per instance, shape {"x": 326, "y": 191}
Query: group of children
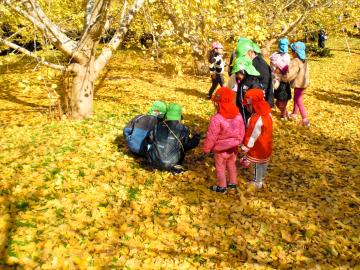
{"x": 256, "y": 84}
{"x": 248, "y": 69}
{"x": 242, "y": 122}
{"x": 160, "y": 136}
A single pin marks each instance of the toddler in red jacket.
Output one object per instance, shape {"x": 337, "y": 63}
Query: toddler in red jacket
{"x": 225, "y": 134}
{"x": 257, "y": 143}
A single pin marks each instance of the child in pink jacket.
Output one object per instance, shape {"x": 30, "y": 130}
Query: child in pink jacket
{"x": 225, "y": 133}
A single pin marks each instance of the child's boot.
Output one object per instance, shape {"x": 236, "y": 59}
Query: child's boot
{"x": 256, "y": 185}
{"x": 218, "y": 189}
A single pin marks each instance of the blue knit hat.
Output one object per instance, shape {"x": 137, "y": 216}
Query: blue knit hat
{"x": 299, "y": 48}
{"x": 283, "y": 45}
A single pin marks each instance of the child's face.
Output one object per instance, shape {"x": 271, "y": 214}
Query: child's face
{"x": 219, "y": 50}
{"x": 239, "y": 76}
{"x": 249, "y": 108}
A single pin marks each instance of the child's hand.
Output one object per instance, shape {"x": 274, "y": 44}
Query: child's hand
{"x": 198, "y": 135}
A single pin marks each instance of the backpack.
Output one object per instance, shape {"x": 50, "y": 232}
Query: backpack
{"x": 165, "y": 148}
{"x": 137, "y": 131}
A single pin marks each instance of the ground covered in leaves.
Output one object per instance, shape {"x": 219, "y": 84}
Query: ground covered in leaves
{"x": 72, "y": 197}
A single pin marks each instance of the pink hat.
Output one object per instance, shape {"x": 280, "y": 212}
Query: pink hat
{"x": 216, "y": 45}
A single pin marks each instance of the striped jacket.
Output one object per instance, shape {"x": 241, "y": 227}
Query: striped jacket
{"x": 258, "y": 138}
{"x": 217, "y": 64}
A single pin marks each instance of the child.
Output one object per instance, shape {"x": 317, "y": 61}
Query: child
{"x": 257, "y": 143}
{"x": 225, "y": 133}
{"x": 137, "y": 130}
{"x": 298, "y": 75}
{"x": 217, "y": 66}
{"x": 279, "y": 62}
{"x": 169, "y": 141}
{"x": 245, "y": 76}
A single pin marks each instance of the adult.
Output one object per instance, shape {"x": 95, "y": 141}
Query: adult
{"x": 136, "y": 132}
{"x": 246, "y": 47}
{"x": 322, "y": 37}
{"x": 298, "y": 75}
{"x": 169, "y": 141}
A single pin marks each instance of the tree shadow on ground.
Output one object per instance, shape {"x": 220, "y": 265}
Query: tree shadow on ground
{"x": 352, "y": 99}
{"x": 345, "y": 50}
{"x": 6, "y": 94}
{"x": 191, "y": 92}
{"x": 11, "y": 93}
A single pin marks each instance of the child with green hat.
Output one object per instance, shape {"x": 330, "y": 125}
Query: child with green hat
{"x": 169, "y": 141}
{"x": 137, "y": 130}
{"x": 245, "y": 76}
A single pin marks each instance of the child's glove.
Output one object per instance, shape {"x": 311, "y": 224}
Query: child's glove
{"x": 244, "y": 162}
{"x": 197, "y": 135}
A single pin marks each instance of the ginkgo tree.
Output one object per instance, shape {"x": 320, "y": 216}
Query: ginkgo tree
{"x": 195, "y": 24}
{"x": 83, "y": 63}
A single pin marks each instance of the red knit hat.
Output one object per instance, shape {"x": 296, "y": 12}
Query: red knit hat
{"x": 255, "y": 97}
{"x": 225, "y": 98}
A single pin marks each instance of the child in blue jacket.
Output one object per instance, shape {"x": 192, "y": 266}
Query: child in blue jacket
{"x": 136, "y": 132}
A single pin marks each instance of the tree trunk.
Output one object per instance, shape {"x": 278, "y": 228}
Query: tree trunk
{"x": 76, "y": 96}
{"x": 82, "y": 92}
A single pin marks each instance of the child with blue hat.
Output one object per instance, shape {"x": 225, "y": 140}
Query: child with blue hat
{"x": 279, "y": 63}
{"x": 298, "y": 76}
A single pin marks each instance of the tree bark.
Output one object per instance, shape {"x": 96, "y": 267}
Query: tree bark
{"x": 78, "y": 91}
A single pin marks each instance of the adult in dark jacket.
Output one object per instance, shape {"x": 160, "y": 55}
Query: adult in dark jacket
{"x": 321, "y": 38}
{"x": 136, "y": 132}
{"x": 246, "y": 47}
{"x": 169, "y": 141}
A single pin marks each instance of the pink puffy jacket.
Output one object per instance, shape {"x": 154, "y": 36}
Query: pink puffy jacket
{"x": 224, "y": 133}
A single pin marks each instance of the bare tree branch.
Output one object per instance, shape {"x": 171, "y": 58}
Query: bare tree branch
{"x": 118, "y": 37}
{"x": 28, "y": 53}
{"x": 182, "y": 31}
{"x": 292, "y": 25}
{"x": 67, "y": 43}
{"x": 89, "y": 8}
{"x": 62, "y": 42}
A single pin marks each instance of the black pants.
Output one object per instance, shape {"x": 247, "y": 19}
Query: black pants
{"x": 219, "y": 79}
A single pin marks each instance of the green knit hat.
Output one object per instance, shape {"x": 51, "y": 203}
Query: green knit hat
{"x": 244, "y": 63}
{"x": 174, "y": 112}
{"x": 244, "y": 45}
{"x": 158, "y": 108}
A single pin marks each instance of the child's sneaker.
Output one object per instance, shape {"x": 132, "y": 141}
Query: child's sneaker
{"x": 293, "y": 116}
{"x": 231, "y": 186}
{"x": 257, "y": 185}
{"x": 305, "y": 123}
{"x": 177, "y": 169}
{"x": 218, "y": 189}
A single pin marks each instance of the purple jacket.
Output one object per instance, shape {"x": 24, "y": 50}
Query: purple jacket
{"x": 223, "y": 133}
